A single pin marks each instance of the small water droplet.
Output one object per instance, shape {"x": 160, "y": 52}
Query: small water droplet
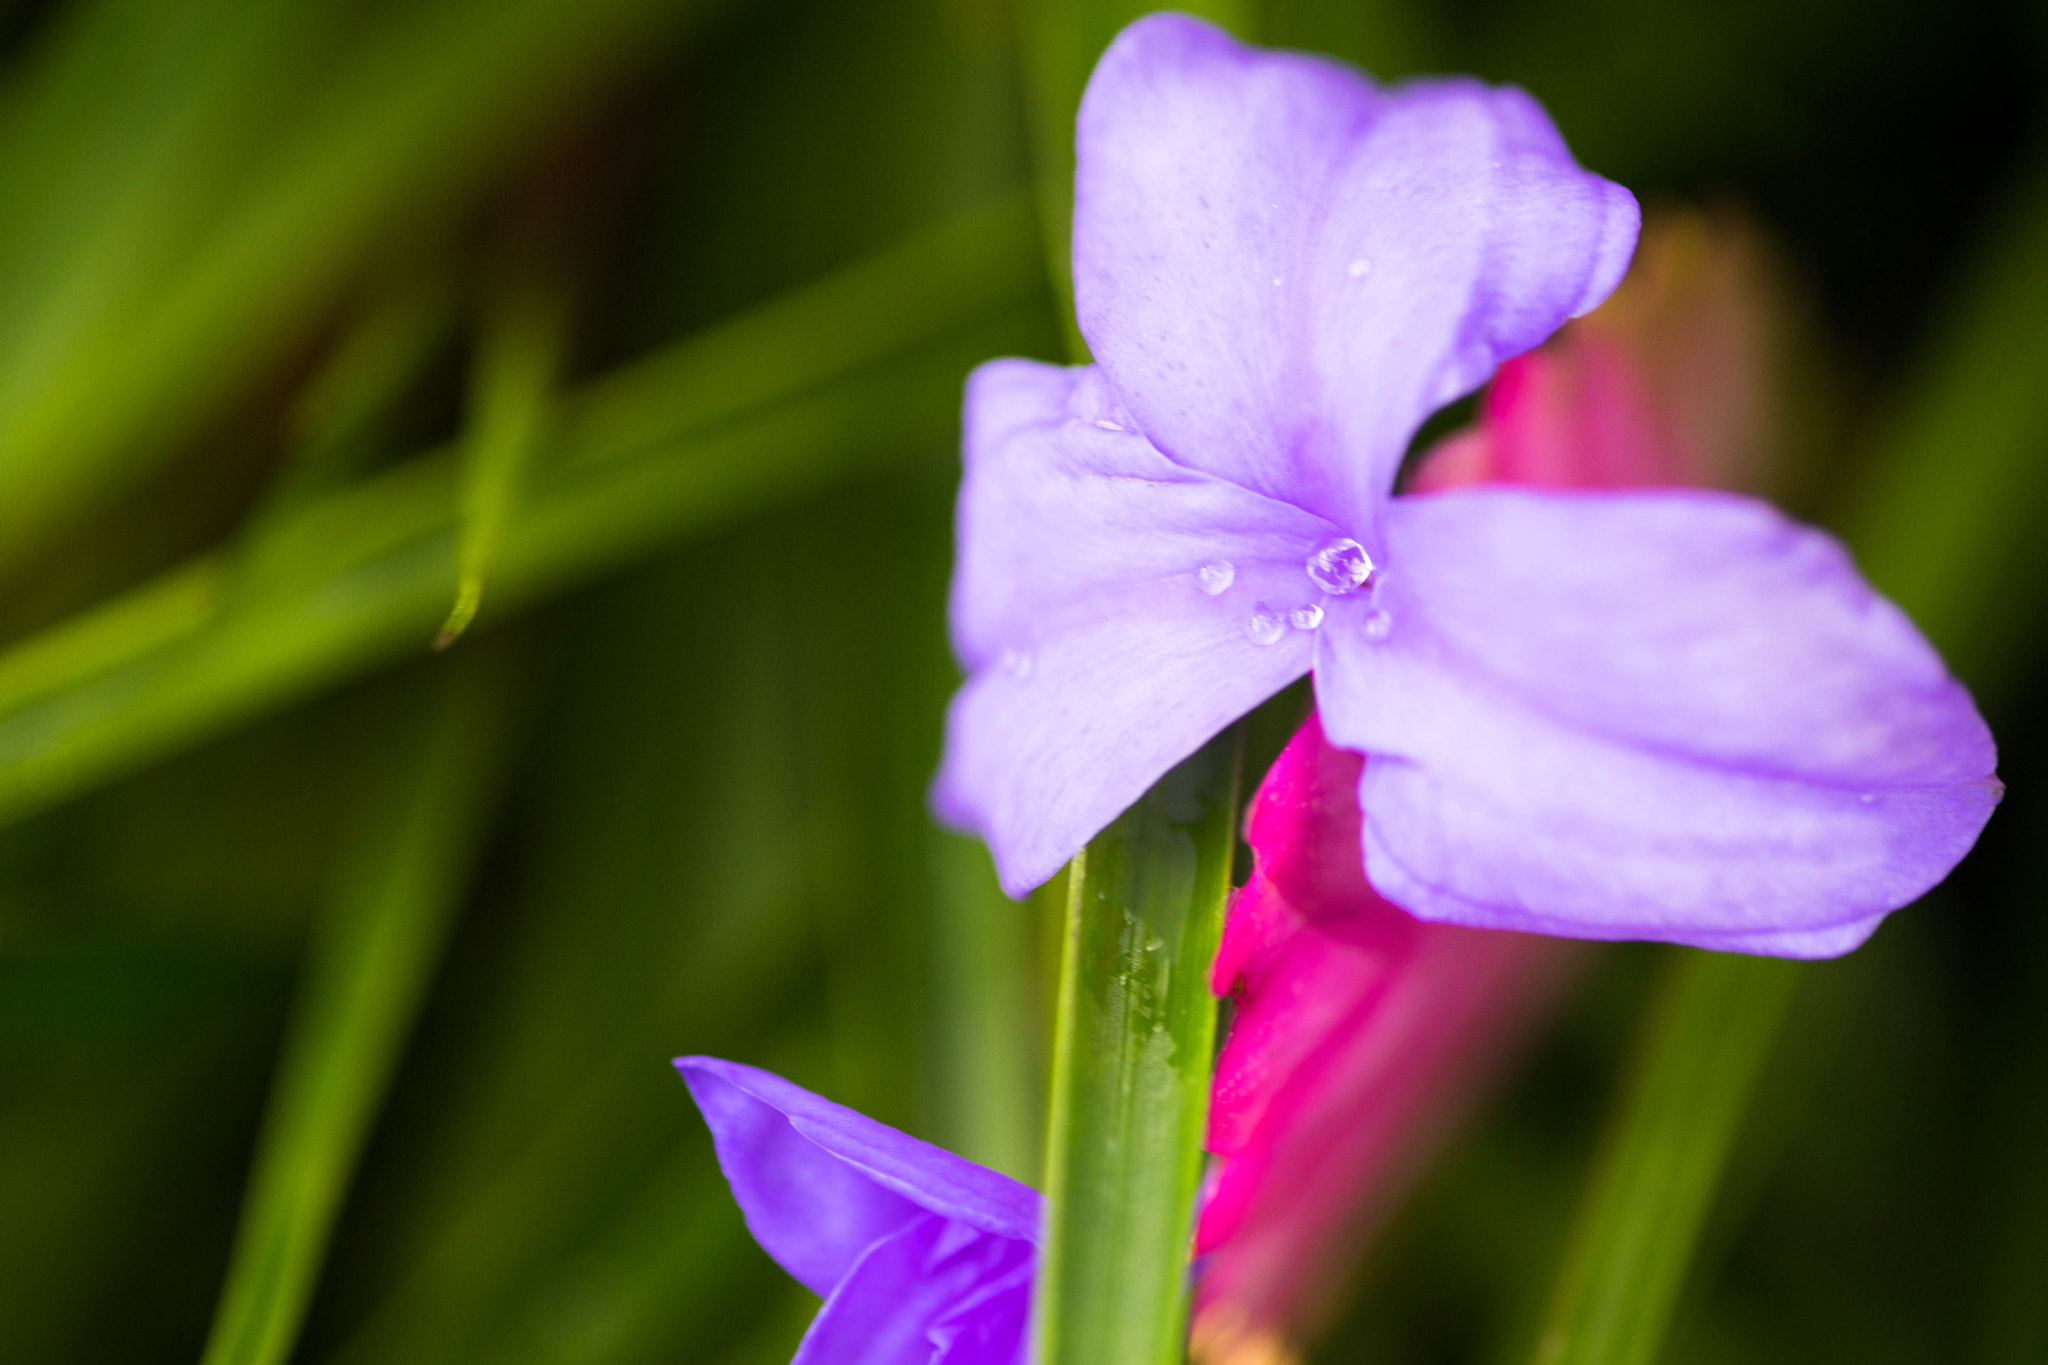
{"x": 1276, "y": 281}
{"x": 1216, "y": 576}
{"x": 1340, "y": 566}
{"x": 1359, "y": 268}
{"x": 1306, "y": 618}
{"x": 1265, "y": 626}
{"x": 1379, "y": 625}
{"x": 1018, "y": 663}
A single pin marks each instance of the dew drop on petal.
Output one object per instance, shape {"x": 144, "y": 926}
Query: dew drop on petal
{"x": 1276, "y": 281}
{"x": 1216, "y": 576}
{"x": 1265, "y": 626}
{"x": 1359, "y": 268}
{"x": 1340, "y": 566}
{"x": 1306, "y": 618}
{"x": 1379, "y": 625}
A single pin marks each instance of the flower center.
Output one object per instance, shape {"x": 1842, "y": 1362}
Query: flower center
{"x": 1340, "y": 566}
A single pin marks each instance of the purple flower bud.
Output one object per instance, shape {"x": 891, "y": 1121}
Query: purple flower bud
{"x": 920, "y": 1256}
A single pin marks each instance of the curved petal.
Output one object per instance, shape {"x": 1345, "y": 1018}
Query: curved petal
{"x": 932, "y": 1293}
{"x": 1670, "y": 715}
{"x": 820, "y": 1183}
{"x": 1285, "y": 269}
{"x": 1359, "y": 1030}
{"x": 1114, "y": 611}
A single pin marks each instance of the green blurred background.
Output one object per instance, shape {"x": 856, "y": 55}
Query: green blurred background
{"x": 651, "y": 317}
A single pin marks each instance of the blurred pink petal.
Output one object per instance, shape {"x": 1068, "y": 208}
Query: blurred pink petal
{"x": 1359, "y": 1029}
{"x": 1667, "y": 383}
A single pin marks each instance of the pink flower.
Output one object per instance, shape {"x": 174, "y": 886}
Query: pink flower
{"x": 1360, "y": 1029}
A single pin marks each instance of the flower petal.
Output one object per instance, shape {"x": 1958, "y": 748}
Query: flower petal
{"x": 1670, "y": 715}
{"x": 820, "y": 1183}
{"x": 1285, "y": 269}
{"x": 932, "y": 1293}
{"x": 1104, "y": 604}
{"x": 1359, "y": 1030}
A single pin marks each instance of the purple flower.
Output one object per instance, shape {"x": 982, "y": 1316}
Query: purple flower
{"x": 922, "y": 1258}
{"x": 1665, "y": 714}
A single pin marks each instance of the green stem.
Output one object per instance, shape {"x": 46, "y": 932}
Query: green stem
{"x": 1133, "y": 1049}
{"x": 367, "y": 972}
{"x": 1715, "y": 1017}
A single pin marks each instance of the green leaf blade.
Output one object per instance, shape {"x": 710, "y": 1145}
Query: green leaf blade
{"x": 362, "y": 576}
{"x": 1711, "y": 1030}
{"x": 366, "y": 977}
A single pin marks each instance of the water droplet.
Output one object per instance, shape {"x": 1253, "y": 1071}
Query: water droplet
{"x": 1306, "y": 618}
{"x": 1359, "y": 268}
{"x": 1276, "y": 281}
{"x": 1216, "y": 576}
{"x": 1017, "y": 663}
{"x": 1379, "y": 625}
{"x": 1340, "y": 566}
{"x": 1265, "y": 626}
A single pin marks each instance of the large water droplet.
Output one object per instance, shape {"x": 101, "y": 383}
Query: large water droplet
{"x": 1216, "y": 576}
{"x": 1265, "y": 626}
{"x": 1306, "y": 618}
{"x": 1359, "y": 268}
{"x": 1379, "y": 625}
{"x": 1340, "y": 566}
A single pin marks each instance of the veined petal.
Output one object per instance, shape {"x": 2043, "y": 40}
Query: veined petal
{"x": 1114, "y": 611}
{"x": 1285, "y": 269}
{"x": 1670, "y": 715}
{"x": 819, "y": 1184}
{"x": 933, "y": 1293}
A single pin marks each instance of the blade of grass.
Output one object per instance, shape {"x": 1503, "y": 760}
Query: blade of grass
{"x": 1133, "y": 1047}
{"x": 1708, "y": 1035}
{"x": 666, "y": 448}
{"x": 511, "y": 396}
{"x": 332, "y": 428}
{"x": 429, "y": 102}
{"x": 1945, "y": 515}
{"x": 366, "y": 973}
{"x": 986, "y": 1017}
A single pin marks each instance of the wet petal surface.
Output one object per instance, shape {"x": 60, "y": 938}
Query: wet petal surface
{"x": 1670, "y": 715}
